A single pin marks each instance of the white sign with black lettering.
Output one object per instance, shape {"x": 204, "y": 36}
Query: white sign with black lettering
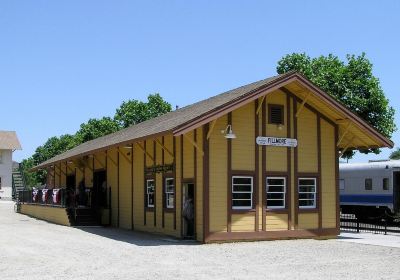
{"x": 276, "y": 141}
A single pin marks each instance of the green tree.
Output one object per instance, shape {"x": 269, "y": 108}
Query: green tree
{"x": 351, "y": 83}
{"x": 95, "y": 128}
{"x": 395, "y": 154}
{"x": 134, "y": 111}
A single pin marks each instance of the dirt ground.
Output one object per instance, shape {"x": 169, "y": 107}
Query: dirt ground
{"x": 34, "y": 249}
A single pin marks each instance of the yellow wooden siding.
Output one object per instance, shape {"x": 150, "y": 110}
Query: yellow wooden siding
{"x": 150, "y": 151}
{"x": 169, "y": 224}
{"x": 125, "y": 189}
{"x": 276, "y": 156}
{"x": 138, "y": 187}
{"x": 112, "y": 180}
{"x": 199, "y": 187}
{"x": 242, "y": 222}
{"x": 276, "y": 221}
{"x": 307, "y": 141}
{"x": 178, "y": 186}
{"x": 100, "y": 161}
{"x": 159, "y": 187}
{"x": 63, "y": 183}
{"x": 261, "y": 187}
{"x": 328, "y": 179}
{"x": 51, "y": 214}
{"x": 218, "y": 178}
{"x": 188, "y": 156}
{"x": 308, "y": 220}
{"x": 169, "y": 145}
{"x": 243, "y": 146}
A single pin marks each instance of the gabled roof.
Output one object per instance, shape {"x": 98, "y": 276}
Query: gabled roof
{"x": 9, "y": 141}
{"x": 190, "y": 117}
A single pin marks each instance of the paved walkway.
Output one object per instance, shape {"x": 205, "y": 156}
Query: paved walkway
{"x": 34, "y": 249}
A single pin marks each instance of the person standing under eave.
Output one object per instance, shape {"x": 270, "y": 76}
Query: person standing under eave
{"x": 188, "y": 215}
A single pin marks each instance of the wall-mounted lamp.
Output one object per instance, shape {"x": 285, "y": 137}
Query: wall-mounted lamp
{"x": 128, "y": 147}
{"x": 228, "y": 132}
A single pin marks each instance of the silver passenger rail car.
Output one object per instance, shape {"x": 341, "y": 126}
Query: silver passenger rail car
{"x": 370, "y": 189}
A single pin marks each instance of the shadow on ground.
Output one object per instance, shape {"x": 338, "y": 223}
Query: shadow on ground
{"x": 136, "y": 237}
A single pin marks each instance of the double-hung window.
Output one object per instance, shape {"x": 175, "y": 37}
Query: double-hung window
{"x": 150, "y": 193}
{"x": 169, "y": 192}
{"x": 276, "y": 192}
{"x": 307, "y": 192}
{"x": 242, "y": 192}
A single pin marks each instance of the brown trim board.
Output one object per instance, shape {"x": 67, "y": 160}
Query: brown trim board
{"x": 229, "y": 185}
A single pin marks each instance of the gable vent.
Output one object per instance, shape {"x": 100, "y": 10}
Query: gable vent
{"x": 275, "y": 114}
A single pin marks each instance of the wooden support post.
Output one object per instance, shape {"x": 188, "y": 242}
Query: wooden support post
{"x": 211, "y": 128}
{"x": 194, "y": 144}
{"x": 164, "y": 148}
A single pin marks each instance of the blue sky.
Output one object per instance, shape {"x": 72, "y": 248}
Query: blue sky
{"x": 63, "y": 62}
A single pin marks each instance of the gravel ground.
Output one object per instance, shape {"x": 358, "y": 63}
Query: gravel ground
{"x": 34, "y": 249}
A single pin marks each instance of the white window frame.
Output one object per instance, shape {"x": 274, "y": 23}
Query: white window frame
{"x": 169, "y": 193}
{"x": 342, "y": 184}
{"x": 314, "y": 192}
{"x": 251, "y": 193}
{"x": 284, "y": 192}
{"x": 148, "y": 193}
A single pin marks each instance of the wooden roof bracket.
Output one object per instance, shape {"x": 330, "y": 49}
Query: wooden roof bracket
{"x": 343, "y": 134}
{"x": 125, "y": 157}
{"x": 212, "y": 125}
{"x": 303, "y": 103}
{"x": 347, "y": 146}
{"x": 165, "y": 148}
{"x": 144, "y": 151}
{"x": 194, "y": 144}
{"x": 260, "y": 105}
{"x": 99, "y": 162}
{"x": 109, "y": 158}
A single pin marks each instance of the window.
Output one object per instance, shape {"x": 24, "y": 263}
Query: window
{"x": 1, "y": 157}
{"x": 275, "y": 114}
{"x": 242, "y": 192}
{"x": 368, "y": 184}
{"x": 276, "y": 192}
{"x": 169, "y": 192}
{"x": 150, "y": 193}
{"x": 341, "y": 184}
{"x": 307, "y": 192}
{"x": 385, "y": 184}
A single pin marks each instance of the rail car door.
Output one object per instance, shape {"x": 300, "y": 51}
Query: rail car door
{"x": 396, "y": 191}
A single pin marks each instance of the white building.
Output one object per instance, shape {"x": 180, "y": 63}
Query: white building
{"x": 8, "y": 144}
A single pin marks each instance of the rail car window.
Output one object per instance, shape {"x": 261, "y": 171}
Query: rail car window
{"x": 242, "y": 192}
{"x": 385, "y": 184}
{"x": 276, "y": 192}
{"x": 150, "y": 193}
{"x": 341, "y": 184}
{"x": 307, "y": 192}
{"x": 368, "y": 184}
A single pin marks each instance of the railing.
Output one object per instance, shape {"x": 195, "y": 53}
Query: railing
{"x": 49, "y": 197}
{"x": 379, "y": 225}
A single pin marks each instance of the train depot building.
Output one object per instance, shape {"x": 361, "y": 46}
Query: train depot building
{"x": 260, "y": 161}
